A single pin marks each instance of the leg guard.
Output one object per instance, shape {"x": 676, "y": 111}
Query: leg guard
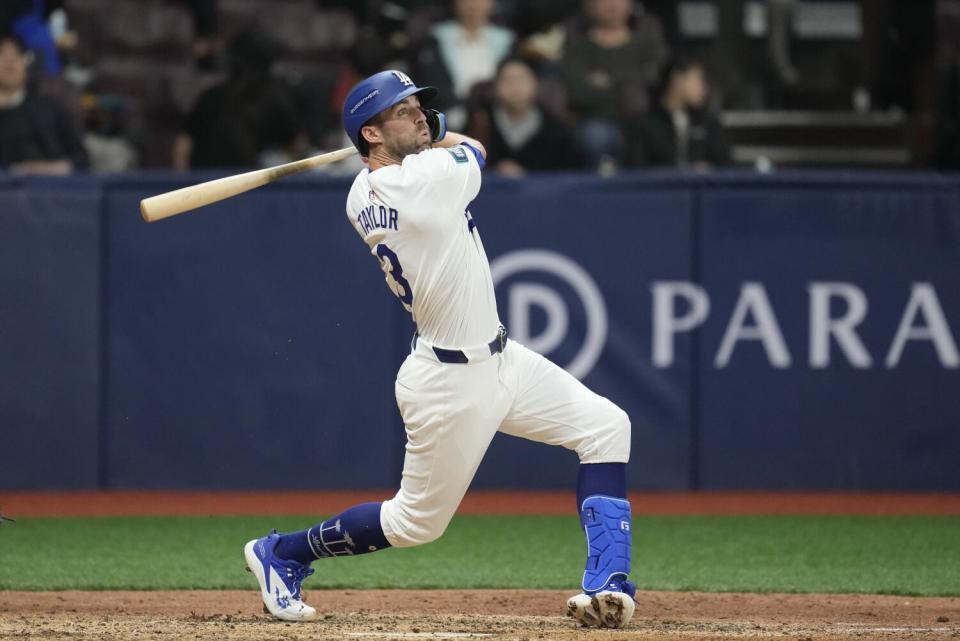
{"x": 606, "y": 523}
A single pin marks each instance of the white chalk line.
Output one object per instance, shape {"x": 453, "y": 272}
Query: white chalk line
{"x": 419, "y": 635}
{"x": 832, "y": 628}
{"x": 866, "y": 627}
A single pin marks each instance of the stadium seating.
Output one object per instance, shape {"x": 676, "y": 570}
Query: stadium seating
{"x": 140, "y": 53}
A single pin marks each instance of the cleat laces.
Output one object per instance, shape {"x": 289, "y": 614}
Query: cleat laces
{"x": 296, "y": 575}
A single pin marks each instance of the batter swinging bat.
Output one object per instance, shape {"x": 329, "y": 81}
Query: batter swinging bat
{"x": 181, "y": 200}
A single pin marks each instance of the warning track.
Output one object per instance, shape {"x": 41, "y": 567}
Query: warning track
{"x": 161, "y": 503}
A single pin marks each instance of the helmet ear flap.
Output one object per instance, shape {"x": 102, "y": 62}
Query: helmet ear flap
{"x": 363, "y": 146}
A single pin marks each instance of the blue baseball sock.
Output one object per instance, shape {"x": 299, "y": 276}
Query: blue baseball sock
{"x": 354, "y": 531}
{"x": 607, "y": 479}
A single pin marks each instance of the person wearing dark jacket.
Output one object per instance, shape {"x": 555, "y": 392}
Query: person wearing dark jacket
{"x": 37, "y": 133}
{"x": 606, "y": 70}
{"x": 251, "y": 114}
{"x": 678, "y": 130}
{"x": 518, "y": 134}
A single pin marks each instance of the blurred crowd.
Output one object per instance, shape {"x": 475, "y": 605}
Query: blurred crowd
{"x": 114, "y": 85}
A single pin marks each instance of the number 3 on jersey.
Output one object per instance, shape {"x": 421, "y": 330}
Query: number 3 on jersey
{"x": 393, "y": 273}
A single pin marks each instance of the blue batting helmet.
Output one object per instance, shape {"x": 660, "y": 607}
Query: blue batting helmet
{"x": 375, "y": 94}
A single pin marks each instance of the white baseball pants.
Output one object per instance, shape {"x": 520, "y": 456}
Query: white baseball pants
{"x": 452, "y": 412}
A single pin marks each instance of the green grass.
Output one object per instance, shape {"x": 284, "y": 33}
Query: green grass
{"x": 886, "y": 555}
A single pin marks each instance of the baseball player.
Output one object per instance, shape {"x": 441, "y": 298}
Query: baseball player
{"x": 463, "y": 380}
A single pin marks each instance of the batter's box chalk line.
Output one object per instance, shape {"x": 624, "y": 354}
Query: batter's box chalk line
{"x": 868, "y": 627}
{"x": 459, "y": 635}
{"x": 418, "y": 635}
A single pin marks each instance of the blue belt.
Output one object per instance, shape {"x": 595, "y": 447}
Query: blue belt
{"x": 495, "y": 346}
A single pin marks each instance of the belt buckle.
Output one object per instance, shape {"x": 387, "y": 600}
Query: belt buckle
{"x": 502, "y": 337}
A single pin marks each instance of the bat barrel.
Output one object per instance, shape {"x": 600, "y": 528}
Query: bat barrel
{"x": 181, "y": 200}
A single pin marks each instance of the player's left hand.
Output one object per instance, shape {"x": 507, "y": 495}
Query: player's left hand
{"x": 437, "y": 123}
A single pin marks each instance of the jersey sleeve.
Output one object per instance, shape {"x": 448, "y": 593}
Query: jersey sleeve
{"x": 451, "y": 174}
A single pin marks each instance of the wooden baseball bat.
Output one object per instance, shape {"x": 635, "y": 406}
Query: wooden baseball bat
{"x": 181, "y": 200}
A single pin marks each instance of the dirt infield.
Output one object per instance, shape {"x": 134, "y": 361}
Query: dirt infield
{"x": 146, "y": 503}
{"x": 511, "y": 615}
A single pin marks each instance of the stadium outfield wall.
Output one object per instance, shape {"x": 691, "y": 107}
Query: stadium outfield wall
{"x": 795, "y": 331}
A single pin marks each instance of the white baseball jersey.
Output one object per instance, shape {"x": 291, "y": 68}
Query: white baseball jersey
{"x": 414, "y": 218}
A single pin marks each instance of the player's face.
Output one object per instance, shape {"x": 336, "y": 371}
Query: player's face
{"x": 403, "y": 128}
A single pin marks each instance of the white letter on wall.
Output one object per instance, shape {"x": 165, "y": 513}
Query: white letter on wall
{"x": 524, "y": 296}
{"x": 843, "y": 329}
{"x": 924, "y": 299}
{"x": 753, "y": 299}
{"x": 665, "y": 321}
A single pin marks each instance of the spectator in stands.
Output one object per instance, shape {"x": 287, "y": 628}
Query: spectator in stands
{"x": 606, "y": 71}
{"x": 37, "y": 133}
{"x": 541, "y": 29}
{"x": 461, "y": 53}
{"x": 518, "y": 134}
{"x": 252, "y": 113}
{"x": 206, "y": 26}
{"x": 28, "y": 20}
{"x": 678, "y": 130}
{"x": 106, "y": 136}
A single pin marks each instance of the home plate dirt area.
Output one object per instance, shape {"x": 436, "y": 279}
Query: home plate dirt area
{"x": 497, "y": 615}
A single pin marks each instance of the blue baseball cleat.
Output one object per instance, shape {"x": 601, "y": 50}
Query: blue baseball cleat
{"x": 279, "y": 579}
